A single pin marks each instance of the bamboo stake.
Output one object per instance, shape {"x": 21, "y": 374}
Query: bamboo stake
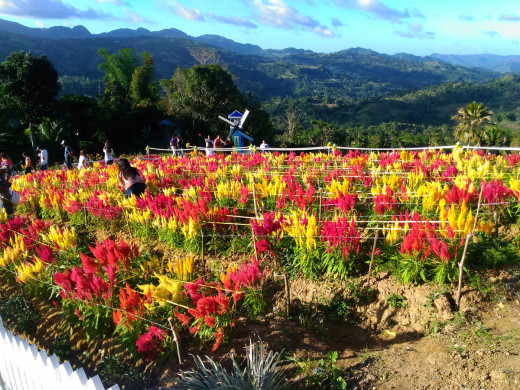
{"x": 319, "y": 210}
{"x": 202, "y": 248}
{"x": 463, "y": 259}
{"x": 176, "y": 338}
{"x": 254, "y": 199}
{"x": 85, "y": 215}
{"x": 254, "y": 242}
{"x": 128, "y": 225}
{"x": 372, "y": 256}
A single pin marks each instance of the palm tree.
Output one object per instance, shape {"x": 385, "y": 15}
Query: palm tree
{"x": 470, "y": 122}
{"x": 493, "y": 133}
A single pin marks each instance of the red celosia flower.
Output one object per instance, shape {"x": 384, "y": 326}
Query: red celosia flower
{"x": 183, "y": 318}
{"x": 150, "y": 342}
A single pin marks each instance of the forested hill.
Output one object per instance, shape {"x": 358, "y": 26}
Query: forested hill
{"x": 345, "y": 75}
{"x": 430, "y": 106}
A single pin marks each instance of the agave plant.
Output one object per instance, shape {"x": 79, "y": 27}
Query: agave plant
{"x": 259, "y": 374}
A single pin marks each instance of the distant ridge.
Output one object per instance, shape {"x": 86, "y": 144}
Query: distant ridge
{"x": 496, "y": 63}
{"x": 504, "y": 64}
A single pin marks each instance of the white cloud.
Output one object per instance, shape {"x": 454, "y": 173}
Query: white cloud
{"x": 336, "y": 22}
{"x": 119, "y": 3}
{"x": 278, "y": 14}
{"x": 415, "y": 30}
{"x": 466, "y": 18}
{"x": 40, "y": 24}
{"x": 491, "y": 33}
{"x": 378, "y": 9}
{"x": 509, "y": 18}
{"x": 48, "y": 9}
{"x": 232, "y": 20}
{"x": 189, "y": 13}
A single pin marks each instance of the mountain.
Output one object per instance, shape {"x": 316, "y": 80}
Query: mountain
{"x": 496, "y": 63}
{"x": 45, "y": 33}
{"x": 347, "y": 75}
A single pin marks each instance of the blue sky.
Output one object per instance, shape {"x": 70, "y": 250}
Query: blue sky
{"x": 417, "y": 27}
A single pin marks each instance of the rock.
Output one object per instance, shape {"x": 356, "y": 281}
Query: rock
{"x": 499, "y": 376}
{"x": 444, "y": 309}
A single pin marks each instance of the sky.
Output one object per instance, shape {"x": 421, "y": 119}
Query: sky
{"x": 419, "y": 27}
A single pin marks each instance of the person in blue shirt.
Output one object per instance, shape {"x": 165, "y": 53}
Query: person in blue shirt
{"x": 67, "y": 154}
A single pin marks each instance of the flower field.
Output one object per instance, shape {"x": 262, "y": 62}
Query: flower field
{"x": 310, "y": 215}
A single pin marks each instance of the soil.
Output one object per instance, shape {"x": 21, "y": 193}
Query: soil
{"x": 395, "y": 336}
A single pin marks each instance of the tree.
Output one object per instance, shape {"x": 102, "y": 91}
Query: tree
{"x": 30, "y": 84}
{"x": 143, "y": 88}
{"x": 129, "y": 102}
{"x": 471, "y": 121}
{"x": 200, "y": 94}
{"x": 118, "y": 69}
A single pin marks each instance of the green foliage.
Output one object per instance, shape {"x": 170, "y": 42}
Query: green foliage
{"x": 491, "y": 252}
{"x": 20, "y": 315}
{"x": 345, "y": 302}
{"x": 254, "y": 302}
{"x": 396, "y": 301}
{"x": 114, "y": 371}
{"x": 62, "y": 347}
{"x": 322, "y": 373}
{"x": 470, "y": 123}
{"x": 260, "y": 372}
{"x": 96, "y": 320}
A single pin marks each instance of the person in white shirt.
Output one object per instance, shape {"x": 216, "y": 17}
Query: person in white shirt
{"x": 108, "y": 154}
{"x": 44, "y": 158}
{"x": 264, "y": 145}
{"x": 209, "y": 145}
{"x": 82, "y": 162}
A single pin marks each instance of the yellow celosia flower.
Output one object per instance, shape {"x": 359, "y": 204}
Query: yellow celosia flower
{"x": 485, "y": 227}
{"x": 63, "y": 239}
{"x": 183, "y": 268}
{"x": 304, "y": 235}
{"x": 29, "y": 271}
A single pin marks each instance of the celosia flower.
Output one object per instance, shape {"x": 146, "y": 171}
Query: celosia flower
{"x": 150, "y": 342}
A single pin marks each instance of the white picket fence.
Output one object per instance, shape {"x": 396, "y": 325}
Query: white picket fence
{"x": 24, "y": 367}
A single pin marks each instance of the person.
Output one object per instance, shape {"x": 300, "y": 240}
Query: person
{"x": 217, "y": 144}
{"x": 44, "y": 158}
{"x": 67, "y": 154}
{"x": 130, "y": 178}
{"x": 28, "y": 163}
{"x": 109, "y": 159}
{"x": 5, "y": 193}
{"x": 173, "y": 145}
{"x": 264, "y": 145}
{"x": 82, "y": 162}
{"x": 209, "y": 145}
{"x": 5, "y": 161}
{"x": 179, "y": 145}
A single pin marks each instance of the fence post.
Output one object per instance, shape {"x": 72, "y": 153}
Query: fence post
{"x": 176, "y": 338}
{"x": 372, "y": 256}
{"x": 463, "y": 259}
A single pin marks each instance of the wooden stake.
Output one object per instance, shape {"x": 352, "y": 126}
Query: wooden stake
{"x": 288, "y": 295}
{"x": 176, "y": 338}
{"x": 463, "y": 259}
{"x": 372, "y": 256}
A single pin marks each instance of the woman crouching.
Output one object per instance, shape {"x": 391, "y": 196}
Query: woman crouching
{"x": 129, "y": 178}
